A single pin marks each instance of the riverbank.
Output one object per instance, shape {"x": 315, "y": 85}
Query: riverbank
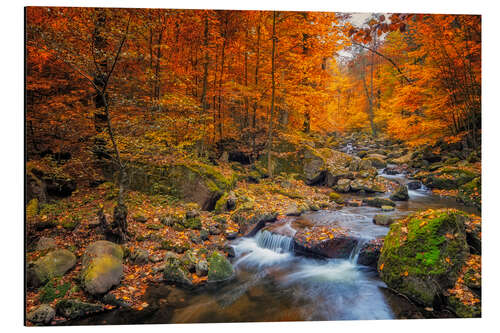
{"x": 307, "y": 180}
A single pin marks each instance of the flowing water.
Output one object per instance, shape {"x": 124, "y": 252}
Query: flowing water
{"x": 273, "y": 284}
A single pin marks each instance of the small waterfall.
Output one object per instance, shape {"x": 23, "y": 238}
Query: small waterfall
{"x": 277, "y": 243}
{"x": 353, "y": 257}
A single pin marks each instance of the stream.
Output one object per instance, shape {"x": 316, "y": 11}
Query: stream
{"x": 274, "y": 284}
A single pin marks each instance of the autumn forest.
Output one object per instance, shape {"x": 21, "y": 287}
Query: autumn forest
{"x": 222, "y": 165}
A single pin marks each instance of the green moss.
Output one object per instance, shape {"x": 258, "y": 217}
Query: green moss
{"x": 470, "y": 193}
{"x": 53, "y": 290}
{"x": 32, "y": 208}
{"x": 220, "y": 205}
{"x": 219, "y": 268}
{"x": 154, "y": 226}
{"x": 193, "y": 223}
{"x": 465, "y": 310}
{"x": 71, "y": 222}
{"x": 424, "y": 254}
{"x": 335, "y": 197}
{"x": 100, "y": 265}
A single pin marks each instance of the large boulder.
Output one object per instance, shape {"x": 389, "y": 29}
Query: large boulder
{"x": 102, "y": 267}
{"x": 195, "y": 182}
{"x": 219, "y": 268}
{"x": 423, "y": 254}
{"x": 54, "y": 264}
{"x": 324, "y": 241}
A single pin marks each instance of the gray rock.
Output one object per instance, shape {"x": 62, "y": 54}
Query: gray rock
{"x": 43, "y": 314}
{"x": 384, "y": 220}
{"x": 139, "y": 257}
{"x": 343, "y": 185}
{"x": 292, "y": 210}
{"x": 201, "y": 268}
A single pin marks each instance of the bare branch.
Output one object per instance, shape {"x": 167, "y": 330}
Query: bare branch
{"x": 386, "y": 58}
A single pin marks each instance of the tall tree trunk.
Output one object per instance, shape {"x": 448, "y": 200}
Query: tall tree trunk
{"x": 273, "y": 89}
{"x": 220, "y": 115}
{"x": 254, "y": 115}
{"x": 245, "y": 121}
{"x": 203, "y": 99}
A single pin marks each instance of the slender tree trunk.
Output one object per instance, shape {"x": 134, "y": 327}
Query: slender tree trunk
{"x": 245, "y": 122}
{"x": 220, "y": 115}
{"x": 203, "y": 99}
{"x": 255, "y": 103}
{"x": 273, "y": 89}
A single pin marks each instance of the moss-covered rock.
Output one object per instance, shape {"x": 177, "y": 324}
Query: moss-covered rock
{"x": 219, "y": 268}
{"x": 378, "y": 202}
{"x": 343, "y": 185}
{"x": 382, "y": 219}
{"x": 470, "y": 193}
{"x": 335, "y": 197}
{"x": 449, "y": 178}
{"x": 375, "y": 161}
{"x": 32, "y": 208}
{"x": 423, "y": 253}
{"x": 195, "y": 181}
{"x": 54, "y": 264}
{"x": 175, "y": 272}
{"x": 400, "y": 194}
{"x": 366, "y": 184}
{"x": 42, "y": 314}
{"x": 102, "y": 267}
{"x": 73, "y": 308}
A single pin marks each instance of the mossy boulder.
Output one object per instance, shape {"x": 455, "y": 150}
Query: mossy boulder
{"x": 423, "y": 253}
{"x": 470, "y": 193}
{"x": 42, "y": 314}
{"x": 449, "y": 178}
{"x": 383, "y": 220}
{"x": 53, "y": 264}
{"x": 378, "y": 202}
{"x": 367, "y": 184}
{"x": 32, "y": 208}
{"x": 73, "y": 308}
{"x": 343, "y": 185}
{"x": 102, "y": 267}
{"x": 400, "y": 194}
{"x": 219, "y": 268}
{"x": 335, "y": 197}
{"x": 375, "y": 161}
{"x": 174, "y": 271}
{"x": 196, "y": 182}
